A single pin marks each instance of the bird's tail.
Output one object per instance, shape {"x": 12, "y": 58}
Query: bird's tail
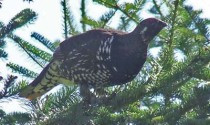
{"x": 45, "y": 81}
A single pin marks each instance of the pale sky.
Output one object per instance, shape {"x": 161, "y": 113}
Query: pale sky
{"x": 49, "y": 24}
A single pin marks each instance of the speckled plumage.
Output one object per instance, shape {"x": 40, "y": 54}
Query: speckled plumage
{"x": 98, "y": 58}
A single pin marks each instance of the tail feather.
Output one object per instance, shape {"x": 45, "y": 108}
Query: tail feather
{"x": 45, "y": 81}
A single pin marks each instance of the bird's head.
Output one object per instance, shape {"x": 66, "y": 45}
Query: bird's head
{"x": 149, "y": 28}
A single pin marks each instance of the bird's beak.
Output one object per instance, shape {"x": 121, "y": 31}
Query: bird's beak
{"x": 163, "y": 24}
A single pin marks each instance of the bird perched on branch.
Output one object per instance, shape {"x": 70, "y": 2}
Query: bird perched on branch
{"x": 97, "y": 58}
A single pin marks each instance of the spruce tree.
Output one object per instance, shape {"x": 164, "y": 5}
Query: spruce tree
{"x": 168, "y": 90}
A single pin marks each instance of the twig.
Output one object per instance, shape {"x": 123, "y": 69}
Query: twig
{"x": 158, "y": 8}
{"x": 176, "y": 3}
{"x": 120, "y": 9}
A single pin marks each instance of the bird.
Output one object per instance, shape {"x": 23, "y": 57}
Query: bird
{"x": 97, "y": 58}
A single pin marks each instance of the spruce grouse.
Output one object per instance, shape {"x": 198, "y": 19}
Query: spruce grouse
{"x": 97, "y": 58}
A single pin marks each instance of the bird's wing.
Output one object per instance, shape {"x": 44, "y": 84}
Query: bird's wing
{"x": 88, "y": 41}
{"x": 87, "y": 57}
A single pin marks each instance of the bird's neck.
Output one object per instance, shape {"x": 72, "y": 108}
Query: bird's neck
{"x": 144, "y": 33}
{"x": 139, "y": 29}
{"x": 137, "y": 42}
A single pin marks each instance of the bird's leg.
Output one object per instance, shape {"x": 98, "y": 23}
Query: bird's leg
{"x": 100, "y": 92}
{"x": 88, "y": 97}
{"x": 104, "y": 96}
{"x": 85, "y": 92}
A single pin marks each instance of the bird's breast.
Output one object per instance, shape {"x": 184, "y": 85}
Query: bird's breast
{"x": 127, "y": 68}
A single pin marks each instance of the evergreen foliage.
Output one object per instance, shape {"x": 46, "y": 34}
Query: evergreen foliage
{"x": 21, "y": 70}
{"x": 0, "y": 4}
{"x": 23, "y": 18}
{"x": 169, "y": 90}
{"x": 28, "y": 0}
{"x": 14, "y": 118}
{"x": 43, "y": 40}
{"x": 69, "y": 27}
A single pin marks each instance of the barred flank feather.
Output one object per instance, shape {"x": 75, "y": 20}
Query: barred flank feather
{"x": 47, "y": 79}
{"x": 41, "y": 84}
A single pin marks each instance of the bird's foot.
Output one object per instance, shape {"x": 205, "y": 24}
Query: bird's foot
{"x": 89, "y": 98}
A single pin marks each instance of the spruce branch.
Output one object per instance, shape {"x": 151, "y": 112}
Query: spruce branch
{"x": 7, "y": 85}
{"x": 199, "y": 121}
{"x": 2, "y": 43}
{"x": 31, "y": 56}
{"x": 31, "y": 49}
{"x": 43, "y": 40}
{"x": 107, "y": 17}
{"x": 64, "y": 5}
{"x": 115, "y": 6}
{"x": 158, "y": 8}
{"x": 29, "y": 0}
{"x": 72, "y": 27}
{"x": 14, "y": 118}
{"x": 22, "y": 70}
{"x": 83, "y": 14}
{"x": 22, "y": 18}
{"x": 199, "y": 23}
{"x": 183, "y": 72}
{"x": 171, "y": 36}
{"x": 68, "y": 20}
{"x": 124, "y": 23}
{"x": 127, "y": 14}
{"x": 203, "y": 73}
{"x": 0, "y": 4}
{"x": 3, "y": 54}
{"x": 168, "y": 59}
{"x": 92, "y": 22}
{"x": 200, "y": 99}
